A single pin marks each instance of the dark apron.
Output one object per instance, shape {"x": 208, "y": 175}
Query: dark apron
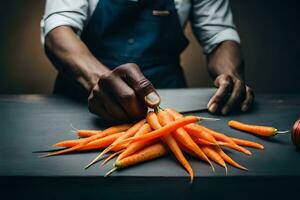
{"x": 124, "y": 31}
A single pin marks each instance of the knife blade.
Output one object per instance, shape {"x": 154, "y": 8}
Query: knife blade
{"x": 194, "y": 111}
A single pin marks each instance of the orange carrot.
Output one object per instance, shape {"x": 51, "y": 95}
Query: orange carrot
{"x": 235, "y": 147}
{"x": 224, "y": 138}
{"x": 265, "y": 131}
{"x": 213, "y": 155}
{"x": 217, "y": 135}
{"x": 130, "y": 132}
{"x": 195, "y": 131}
{"x": 184, "y": 138}
{"x": 153, "y": 120}
{"x": 111, "y": 157}
{"x": 229, "y": 160}
{"x": 174, "y": 113}
{"x": 247, "y": 143}
{"x": 172, "y": 126}
{"x": 200, "y": 141}
{"x": 151, "y": 152}
{"x": 229, "y": 145}
{"x": 188, "y": 151}
{"x": 68, "y": 143}
{"x": 136, "y": 146}
{"x": 109, "y": 131}
{"x": 87, "y": 133}
{"x": 102, "y": 142}
{"x": 164, "y": 119}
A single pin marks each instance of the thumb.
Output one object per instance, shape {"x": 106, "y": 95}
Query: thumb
{"x": 146, "y": 92}
{"x": 142, "y": 86}
{"x": 152, "y": 100}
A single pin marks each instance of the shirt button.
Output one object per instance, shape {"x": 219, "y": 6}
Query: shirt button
{"x": 131, "y": 41}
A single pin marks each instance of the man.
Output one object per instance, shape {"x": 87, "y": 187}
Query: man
{"x": 118, "y": 51}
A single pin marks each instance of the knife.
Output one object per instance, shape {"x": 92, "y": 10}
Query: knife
{"x": 194, "y": 111}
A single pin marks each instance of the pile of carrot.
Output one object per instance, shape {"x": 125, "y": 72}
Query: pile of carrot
{"x": 162, "y": 132}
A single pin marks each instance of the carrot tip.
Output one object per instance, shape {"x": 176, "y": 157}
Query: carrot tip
{"x": 212, "y": 167}
{"x": 44, "y": 156}
{"x": 198, "y": 118}
{"x": 74, "y": 129}
{"x": 95, "y": 160}
{"x": 104, "y": 162}
{"x": 244, "y": 168}
{"x": 110, "y": 171}
{"x": 209, "y": 119}
{"x": 282, "y": 131}
{"x": 109, "y": 158}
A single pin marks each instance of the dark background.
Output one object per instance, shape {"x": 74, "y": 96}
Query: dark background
{"x": 269, "y": 31}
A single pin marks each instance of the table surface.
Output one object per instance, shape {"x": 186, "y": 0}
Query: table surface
{"x": 31, "y": 123}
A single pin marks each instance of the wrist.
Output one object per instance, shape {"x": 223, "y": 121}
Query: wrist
{"x": 226, "y": 59}
{"x": 89, "y": 72}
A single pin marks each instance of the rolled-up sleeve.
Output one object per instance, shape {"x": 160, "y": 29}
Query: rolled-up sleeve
{"x": 212, "y": 23}
{"x": 73, "y": 13}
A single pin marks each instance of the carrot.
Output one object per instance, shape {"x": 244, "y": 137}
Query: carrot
{"x": 87, "y": 133}
{"x": 217, "y": 135}
{"x": 195, "y": 131}
{"x": 68, "y": 143}
{"x": 164, "y": 118}
{"x": 188, "y": 151}
{"x": 265, "y": 131}
{"x": 236, "y": 147}
{"x": 151, "y": 152}
{"x": 102, "y": 142}
{"x": 212, "y": 154}
{"x": 153, "y": 120}
{"x": 162, "y": 131}
{"x": 108, "y": 131}
{"x": 224, "y": 138}
{"x": 184, "y": 138}
{"x": 111, "y": 157}
{"x": 248, "y": 143}
{"x": 201, "y": 141}
{"x": 229, "y": 145}
{"x": 229, "y": 160}
{"x": 136, "y": 146}
{"x": 130, "y": 132}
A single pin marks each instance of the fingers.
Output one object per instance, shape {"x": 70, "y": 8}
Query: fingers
{"x": 95, "y": 106}
{"x": 231, "y": 93}
{"x": 238, "y": 93}
{"x": 224, "y": 84}
{"x": 249, "y": 99}
{"x": 141, "y": 86}
{"x": 111, "y": 105}
{"x": 124, "y": 95}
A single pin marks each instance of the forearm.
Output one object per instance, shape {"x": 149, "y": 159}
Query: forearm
{"x": 64, "y": 46}
{"x": 226, "y": 59}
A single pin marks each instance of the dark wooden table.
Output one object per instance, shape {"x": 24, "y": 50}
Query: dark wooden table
{"x": 30, "y": 123}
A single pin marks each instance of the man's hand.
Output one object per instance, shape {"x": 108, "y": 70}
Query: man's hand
{"x": 226, "y": 66}
{"x": 120, "y": 95}
{"x": 123, "y": 94}
{"x": 232, "y": 92}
